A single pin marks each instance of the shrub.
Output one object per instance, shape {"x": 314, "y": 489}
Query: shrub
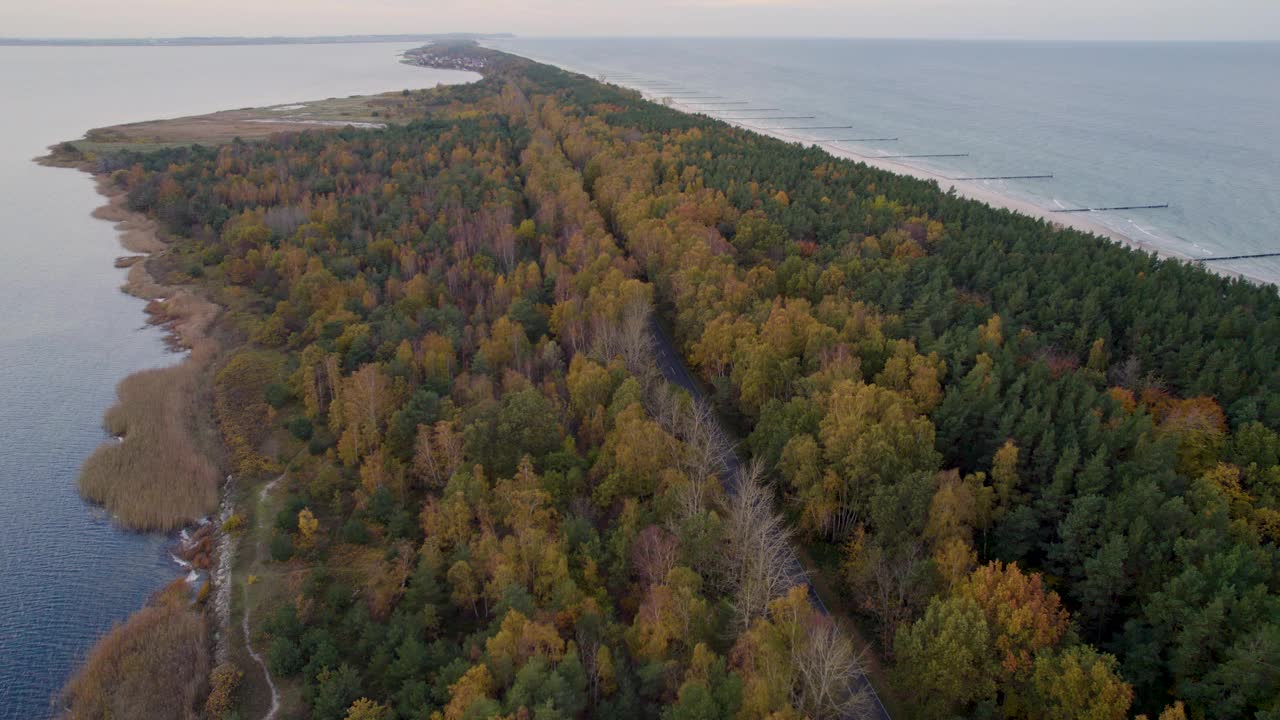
{"x": 223, "y": 684}
{"x": 240, "y": 393}
{"x": 355, "y": 532}
{"x": 281, "y": 547}
{"x": 277, "y": 395}
{"x": 321, "y": 440}
{"x": 233, "y": 524}
{"x": 301, "y": 428}
{"x": 285, "y": 657}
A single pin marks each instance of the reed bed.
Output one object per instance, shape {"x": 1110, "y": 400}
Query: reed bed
{"x": 157, "y": 475}
{"x": 154, "y": 665}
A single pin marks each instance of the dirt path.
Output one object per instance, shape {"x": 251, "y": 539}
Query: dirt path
{"x": 275, "y": 693}
{"x": 244, "y": 619}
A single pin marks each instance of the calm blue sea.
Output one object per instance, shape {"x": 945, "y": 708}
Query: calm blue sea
{"x": 1193, "y": 125}
{"x": 68, "y": 335}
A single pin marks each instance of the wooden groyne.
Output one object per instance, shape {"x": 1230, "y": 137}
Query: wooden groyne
{"x": 925, "y": 155}
{"x": 840, "y": 140}
{"x": 1004, "y": 177}
{"x": 815, "y": 127}
{"x": 1239, "y": 257}
{"x": 1114, "y": 207}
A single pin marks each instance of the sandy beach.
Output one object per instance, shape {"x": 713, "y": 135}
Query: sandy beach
{"x": 976, "y": 191}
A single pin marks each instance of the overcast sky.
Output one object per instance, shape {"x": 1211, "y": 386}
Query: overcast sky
{"x": 1032, "y": 19}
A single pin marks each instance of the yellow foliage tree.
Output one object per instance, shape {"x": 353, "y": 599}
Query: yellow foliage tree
{"x": 991, "y": 333}
{"x": 308, "y": 526}
{"x": 366, "y": 709}
{"x": 474, "y": 685}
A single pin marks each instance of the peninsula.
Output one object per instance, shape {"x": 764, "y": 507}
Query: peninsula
{"x": 540, "y": 399}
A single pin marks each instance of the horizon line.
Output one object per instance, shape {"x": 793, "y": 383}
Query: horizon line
{"x": 467, "y": 35}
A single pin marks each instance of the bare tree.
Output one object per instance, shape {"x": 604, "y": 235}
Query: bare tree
{"x": 760, "y": 564}
{"x": 653, "y": 555}
{"x": 284, "y": 219}
{"x": 1128, "y": 373}
{"x": 888, "y": 583}
{"x": 449, "y": 444}
{"x": 504, "y": 246}
{"x": 426, "y": 462}
{"x": 697, "y": 442}
{"x": 629, "y": 337}
{"x": 830, "y": 675}
{"x": 637, "y": 341}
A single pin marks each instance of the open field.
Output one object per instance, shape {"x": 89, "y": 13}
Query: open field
{"x": 246, "y": 123}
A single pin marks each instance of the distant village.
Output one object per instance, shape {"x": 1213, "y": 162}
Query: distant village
{"x": 449, "y": 56}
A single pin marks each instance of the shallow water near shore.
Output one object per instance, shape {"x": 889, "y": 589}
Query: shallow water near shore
{"x": 68, "y": 335}
{"x": 1194, "y": 125}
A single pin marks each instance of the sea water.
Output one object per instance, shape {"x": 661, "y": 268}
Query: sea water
{"x": 68, "y": 335}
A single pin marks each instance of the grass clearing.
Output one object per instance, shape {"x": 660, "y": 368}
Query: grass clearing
{"x": 247, "y": 124}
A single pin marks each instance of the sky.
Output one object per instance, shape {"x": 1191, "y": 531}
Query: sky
{"x": 1014, "y": 19}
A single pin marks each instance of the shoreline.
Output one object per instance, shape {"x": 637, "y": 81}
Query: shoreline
{"x": 966, "y": 189}
{"x": 180, "y": 611}
{"x": 185, "y": 316}
{"x": 202, "y": 549}
{"x": 971, "y": 190}
{"x": 186, "y": 321}
{"x": 182, "y": 618}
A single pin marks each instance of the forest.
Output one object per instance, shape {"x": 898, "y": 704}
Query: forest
{"x": 1037, "y": 474}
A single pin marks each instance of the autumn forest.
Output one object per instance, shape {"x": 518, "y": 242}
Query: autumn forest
{"x": 583, "y": 407}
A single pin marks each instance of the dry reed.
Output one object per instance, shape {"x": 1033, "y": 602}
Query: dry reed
{"x": 155, "y": 665}
{"x": 157, "y": 475}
